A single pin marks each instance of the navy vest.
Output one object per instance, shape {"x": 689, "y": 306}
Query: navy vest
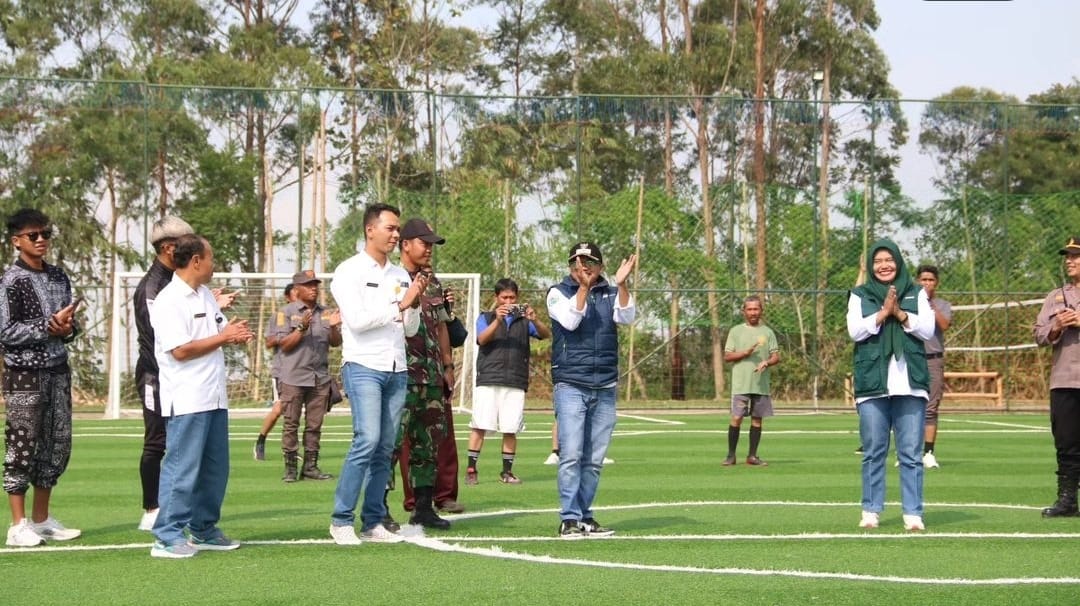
{"x": 589, "y": 356}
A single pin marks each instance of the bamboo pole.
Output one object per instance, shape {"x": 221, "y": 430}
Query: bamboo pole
{"x": 637, "y": 251}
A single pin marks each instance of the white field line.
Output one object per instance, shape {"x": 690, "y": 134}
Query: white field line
{"x": 650, "y": 419}
{"x": 809, "y": 536}
{"x": 346, "y": 436}
{"x": 447, "y": 546}
{"x": 495, "y": 552}
{"x": 994, "y": 423}
{"x": 510, "y": 512}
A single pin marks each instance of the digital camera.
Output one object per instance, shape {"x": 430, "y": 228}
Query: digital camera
{"x": 517, "y": 310}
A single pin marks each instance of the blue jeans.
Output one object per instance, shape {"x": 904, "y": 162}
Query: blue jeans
{"x": 376, "y": 399}
{"x": 586, "y": 419}
{"x": 194, "y": 474}
{"x": 905, "y": 416}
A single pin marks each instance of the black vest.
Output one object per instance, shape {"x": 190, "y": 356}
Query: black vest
{"x": 504, "y": 360}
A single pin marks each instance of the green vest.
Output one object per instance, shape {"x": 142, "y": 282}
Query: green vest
{"x": 871, "y": 369}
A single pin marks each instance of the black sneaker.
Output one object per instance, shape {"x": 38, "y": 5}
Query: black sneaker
{"x": 259, "y": 452}
{"x": 592, "y": 528}
{"x": 570, "y": 529}
{"x": 390, "y": 523}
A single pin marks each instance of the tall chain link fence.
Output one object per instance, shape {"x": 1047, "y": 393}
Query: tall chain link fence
{"x": 277, "y": 179}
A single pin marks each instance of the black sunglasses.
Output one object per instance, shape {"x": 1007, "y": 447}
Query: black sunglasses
{"x": 34, "y": 235}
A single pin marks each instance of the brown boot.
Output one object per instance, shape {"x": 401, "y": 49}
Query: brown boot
{"x": 311, "y": 467}
{"x": 290, "y": 468}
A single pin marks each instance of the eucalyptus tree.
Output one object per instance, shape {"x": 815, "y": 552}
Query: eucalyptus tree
{"x": 253, "y": 112}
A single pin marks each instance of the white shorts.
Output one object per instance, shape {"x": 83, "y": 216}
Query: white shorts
{"x": 498, "y": 408}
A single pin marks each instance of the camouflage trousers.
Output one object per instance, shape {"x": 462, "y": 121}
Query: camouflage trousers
{"x": 424, "y": 425}
{"x": 37, "y": 433}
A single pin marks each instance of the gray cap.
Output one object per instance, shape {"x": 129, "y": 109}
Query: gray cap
{"x": 169, "y": 227}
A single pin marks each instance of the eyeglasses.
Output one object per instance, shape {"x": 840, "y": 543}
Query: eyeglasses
{"x": 34, "y": 235}
{"x": 589, "y": 262}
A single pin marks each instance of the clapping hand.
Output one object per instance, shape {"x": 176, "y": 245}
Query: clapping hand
{"x": 625, "y": 268}
{"x": 237, "y": 332}
{"x": 224, "y": 299}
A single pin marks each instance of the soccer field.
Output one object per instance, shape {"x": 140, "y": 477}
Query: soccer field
{"x": 689, "y": 530}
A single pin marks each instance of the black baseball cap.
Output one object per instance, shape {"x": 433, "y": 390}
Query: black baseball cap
{"x": 1072, "y": 247}
{"x": 419, "y": 228}
{"x": 585, "y": 249}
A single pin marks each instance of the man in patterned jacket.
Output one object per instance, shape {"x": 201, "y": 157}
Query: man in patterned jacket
{"x": 37, "y": 321}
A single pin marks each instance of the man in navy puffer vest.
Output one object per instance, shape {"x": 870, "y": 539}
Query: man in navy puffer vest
{"x": 584, "y": 310}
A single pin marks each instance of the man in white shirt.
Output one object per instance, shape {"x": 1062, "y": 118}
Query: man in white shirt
{"x": 189, "y": 332}
{"x": 378, "y": 303}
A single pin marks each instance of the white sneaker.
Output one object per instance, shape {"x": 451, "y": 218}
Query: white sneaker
{"x": 23, "y": 535}
{"x": 148, "y": 519}
{"x": 929, "y": 461}
{"x": 379, "y": 534}
{"x": 553, "y": 459}
{"x": 869, "y": 520}
{"x": 913, "y": 523}
{"x": 344, "y": 535}
{"x": 608, "y": 461}
{"x": 52, "y": 530}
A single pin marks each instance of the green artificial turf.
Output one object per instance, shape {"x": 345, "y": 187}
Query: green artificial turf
{"x": 689, "y": 530}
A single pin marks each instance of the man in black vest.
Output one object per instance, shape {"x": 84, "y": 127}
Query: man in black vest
{"x": 502, "y": 376}
{"x": 585, "y": 309}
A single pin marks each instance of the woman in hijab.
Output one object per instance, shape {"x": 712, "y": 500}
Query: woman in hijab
{"x": 889, "y": 317}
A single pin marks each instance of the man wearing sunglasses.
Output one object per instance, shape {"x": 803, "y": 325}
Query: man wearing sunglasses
{"x": 37, "y": 320}
{"x": 585, "y": 309}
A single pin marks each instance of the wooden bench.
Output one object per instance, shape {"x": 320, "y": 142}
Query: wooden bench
{"x": 997, "y": 394}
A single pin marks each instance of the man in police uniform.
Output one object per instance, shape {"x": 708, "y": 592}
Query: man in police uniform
{"x": 304, "y": 331}
{"x": 1058, "y": 327}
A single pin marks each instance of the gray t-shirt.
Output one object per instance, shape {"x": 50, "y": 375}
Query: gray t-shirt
{"x": 937, "y": 344}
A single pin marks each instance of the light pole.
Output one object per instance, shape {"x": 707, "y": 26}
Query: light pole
{"x": 816, "y": 78}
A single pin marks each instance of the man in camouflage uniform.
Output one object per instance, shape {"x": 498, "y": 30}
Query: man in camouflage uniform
{"x": 424, "y": 423}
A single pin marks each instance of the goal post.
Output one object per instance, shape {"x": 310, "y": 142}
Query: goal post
{"x": 248, "y": 367}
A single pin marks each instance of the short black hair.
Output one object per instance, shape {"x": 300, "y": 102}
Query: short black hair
{"x": 288, "y": 289}
{"x": 506, "y": 284}
{"x": 372, "y": 212}
{"x": 753, "y": 299}
{"x": 187, "y": 247}
{"x": 26, "y": 217}
{"x": 927, "y": 268}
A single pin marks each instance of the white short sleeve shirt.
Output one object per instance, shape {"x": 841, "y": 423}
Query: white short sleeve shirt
{"x": 179, "y": 316}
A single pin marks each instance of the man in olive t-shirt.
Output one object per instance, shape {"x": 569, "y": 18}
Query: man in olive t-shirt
{"x": 751, "y": 349}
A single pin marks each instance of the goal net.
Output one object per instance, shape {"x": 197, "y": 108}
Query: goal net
{"x": 248, "y": 367}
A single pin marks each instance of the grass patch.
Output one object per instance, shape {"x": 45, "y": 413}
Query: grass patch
{"x": 695, "y": 531}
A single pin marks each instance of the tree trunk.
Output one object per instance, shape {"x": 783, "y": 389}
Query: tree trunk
{"x": 760, "y": 248}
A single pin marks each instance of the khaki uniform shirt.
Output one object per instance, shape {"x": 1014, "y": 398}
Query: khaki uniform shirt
{"x": 1065, "y": 372}
{"x": 307, "y": 364}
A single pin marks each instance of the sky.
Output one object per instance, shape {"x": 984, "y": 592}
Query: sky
{"x": 1018, "y": 47}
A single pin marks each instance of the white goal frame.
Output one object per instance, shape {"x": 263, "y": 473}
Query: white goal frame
{"x": 468, "y": 313}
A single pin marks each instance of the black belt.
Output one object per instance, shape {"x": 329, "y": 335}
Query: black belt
{"x": 931, "y": 356}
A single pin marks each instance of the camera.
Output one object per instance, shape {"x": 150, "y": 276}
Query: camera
{"x": 517, "y": 310}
